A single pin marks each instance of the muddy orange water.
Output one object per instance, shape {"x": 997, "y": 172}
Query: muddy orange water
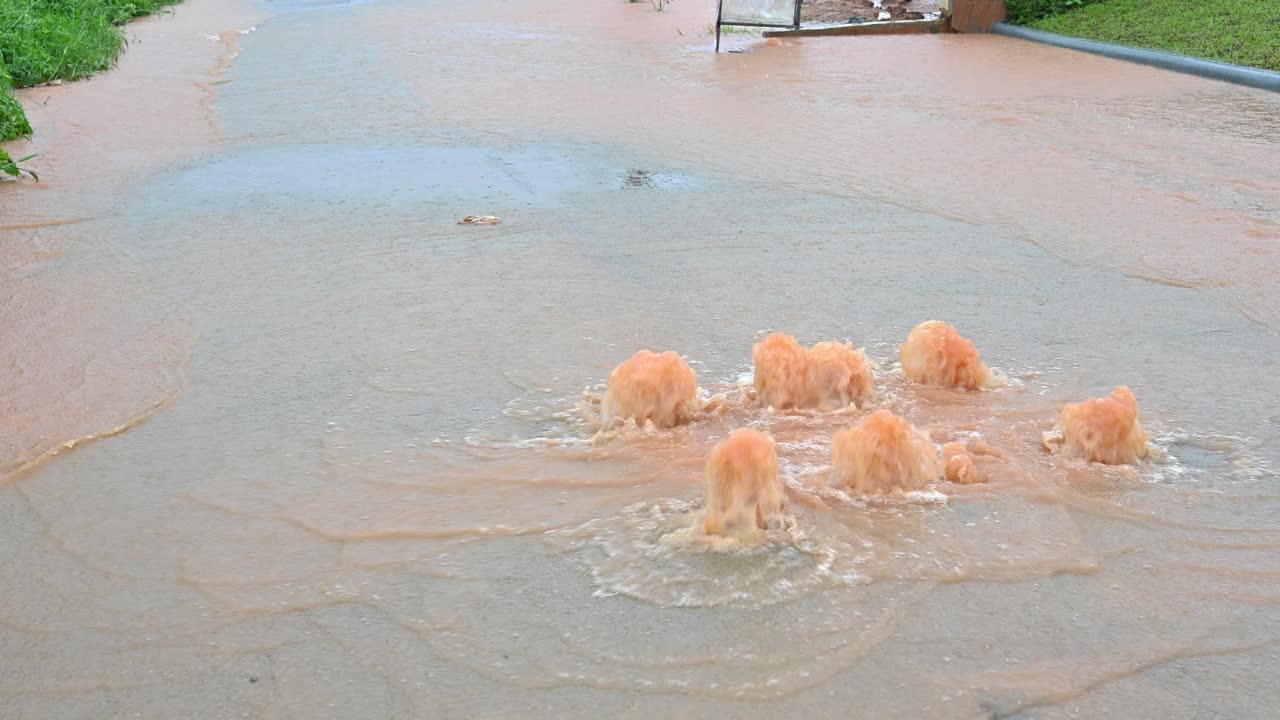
{"x": 279, "y": 439}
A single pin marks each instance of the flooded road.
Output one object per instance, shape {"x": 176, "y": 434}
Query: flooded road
{"x": 280, "y": 439}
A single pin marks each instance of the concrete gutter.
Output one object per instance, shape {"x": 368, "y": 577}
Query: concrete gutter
{"x": 892, "y": 27}
{"x": 1238, "y": 74}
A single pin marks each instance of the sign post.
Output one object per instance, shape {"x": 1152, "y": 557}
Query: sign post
{"x": 757, "y": 13}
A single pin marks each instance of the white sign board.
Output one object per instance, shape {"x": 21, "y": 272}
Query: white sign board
{"x": 776, "y": 13}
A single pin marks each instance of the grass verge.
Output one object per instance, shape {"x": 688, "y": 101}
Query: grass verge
{"x": 13, "y": 122}
{"x": 1025, "y": 12}
{"x": 1243, "y": 32}
{"x": 44, "y": 40}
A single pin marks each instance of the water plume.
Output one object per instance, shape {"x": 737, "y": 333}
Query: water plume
{"x": 959, "y": 465}
{"x": 828, "y": 376}
{"x": 837, "y": 376}
{"x": 780, "y": 364}
{"x": 884, "y": 453}
{"x": 935, "y": 354}
{"x": 961, "y": 469}
{"x": 651, "y": 387}
{"x": 1104, "y": 430}
{"x": 744, "y": 493}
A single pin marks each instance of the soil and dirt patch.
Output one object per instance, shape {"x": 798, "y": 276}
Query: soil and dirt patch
{"x": 826, "y": 12}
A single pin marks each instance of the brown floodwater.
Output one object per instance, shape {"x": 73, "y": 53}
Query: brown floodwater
{"x": 280, "y": 439}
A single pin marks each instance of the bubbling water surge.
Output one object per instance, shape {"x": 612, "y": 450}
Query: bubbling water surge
{"x": 961, "y": 464}
{"x": 1104, "y": 430}
{"x": 935, "y": 354}
{"x": 744, "y": 494}
{"x": 828, "y": 376}
{"x": 651, "y": 387}
{"x": 884, "y": 453}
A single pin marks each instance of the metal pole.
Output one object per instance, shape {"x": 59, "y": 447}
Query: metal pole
{"x": 719, "y": 9}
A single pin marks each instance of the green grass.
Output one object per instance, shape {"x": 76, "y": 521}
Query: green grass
{"x": 13, "y": 123}
{"x": 13, "y": 168}
{"x": 1243, "y": 32}
{"x": 1025, "y": 12}
{"x": 43, "y": 40}
{"x": 734, "y": 30}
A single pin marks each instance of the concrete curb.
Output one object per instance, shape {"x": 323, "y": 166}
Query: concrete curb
{"x": 1240, "y": 75}
{"x": 895, "y": 27}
